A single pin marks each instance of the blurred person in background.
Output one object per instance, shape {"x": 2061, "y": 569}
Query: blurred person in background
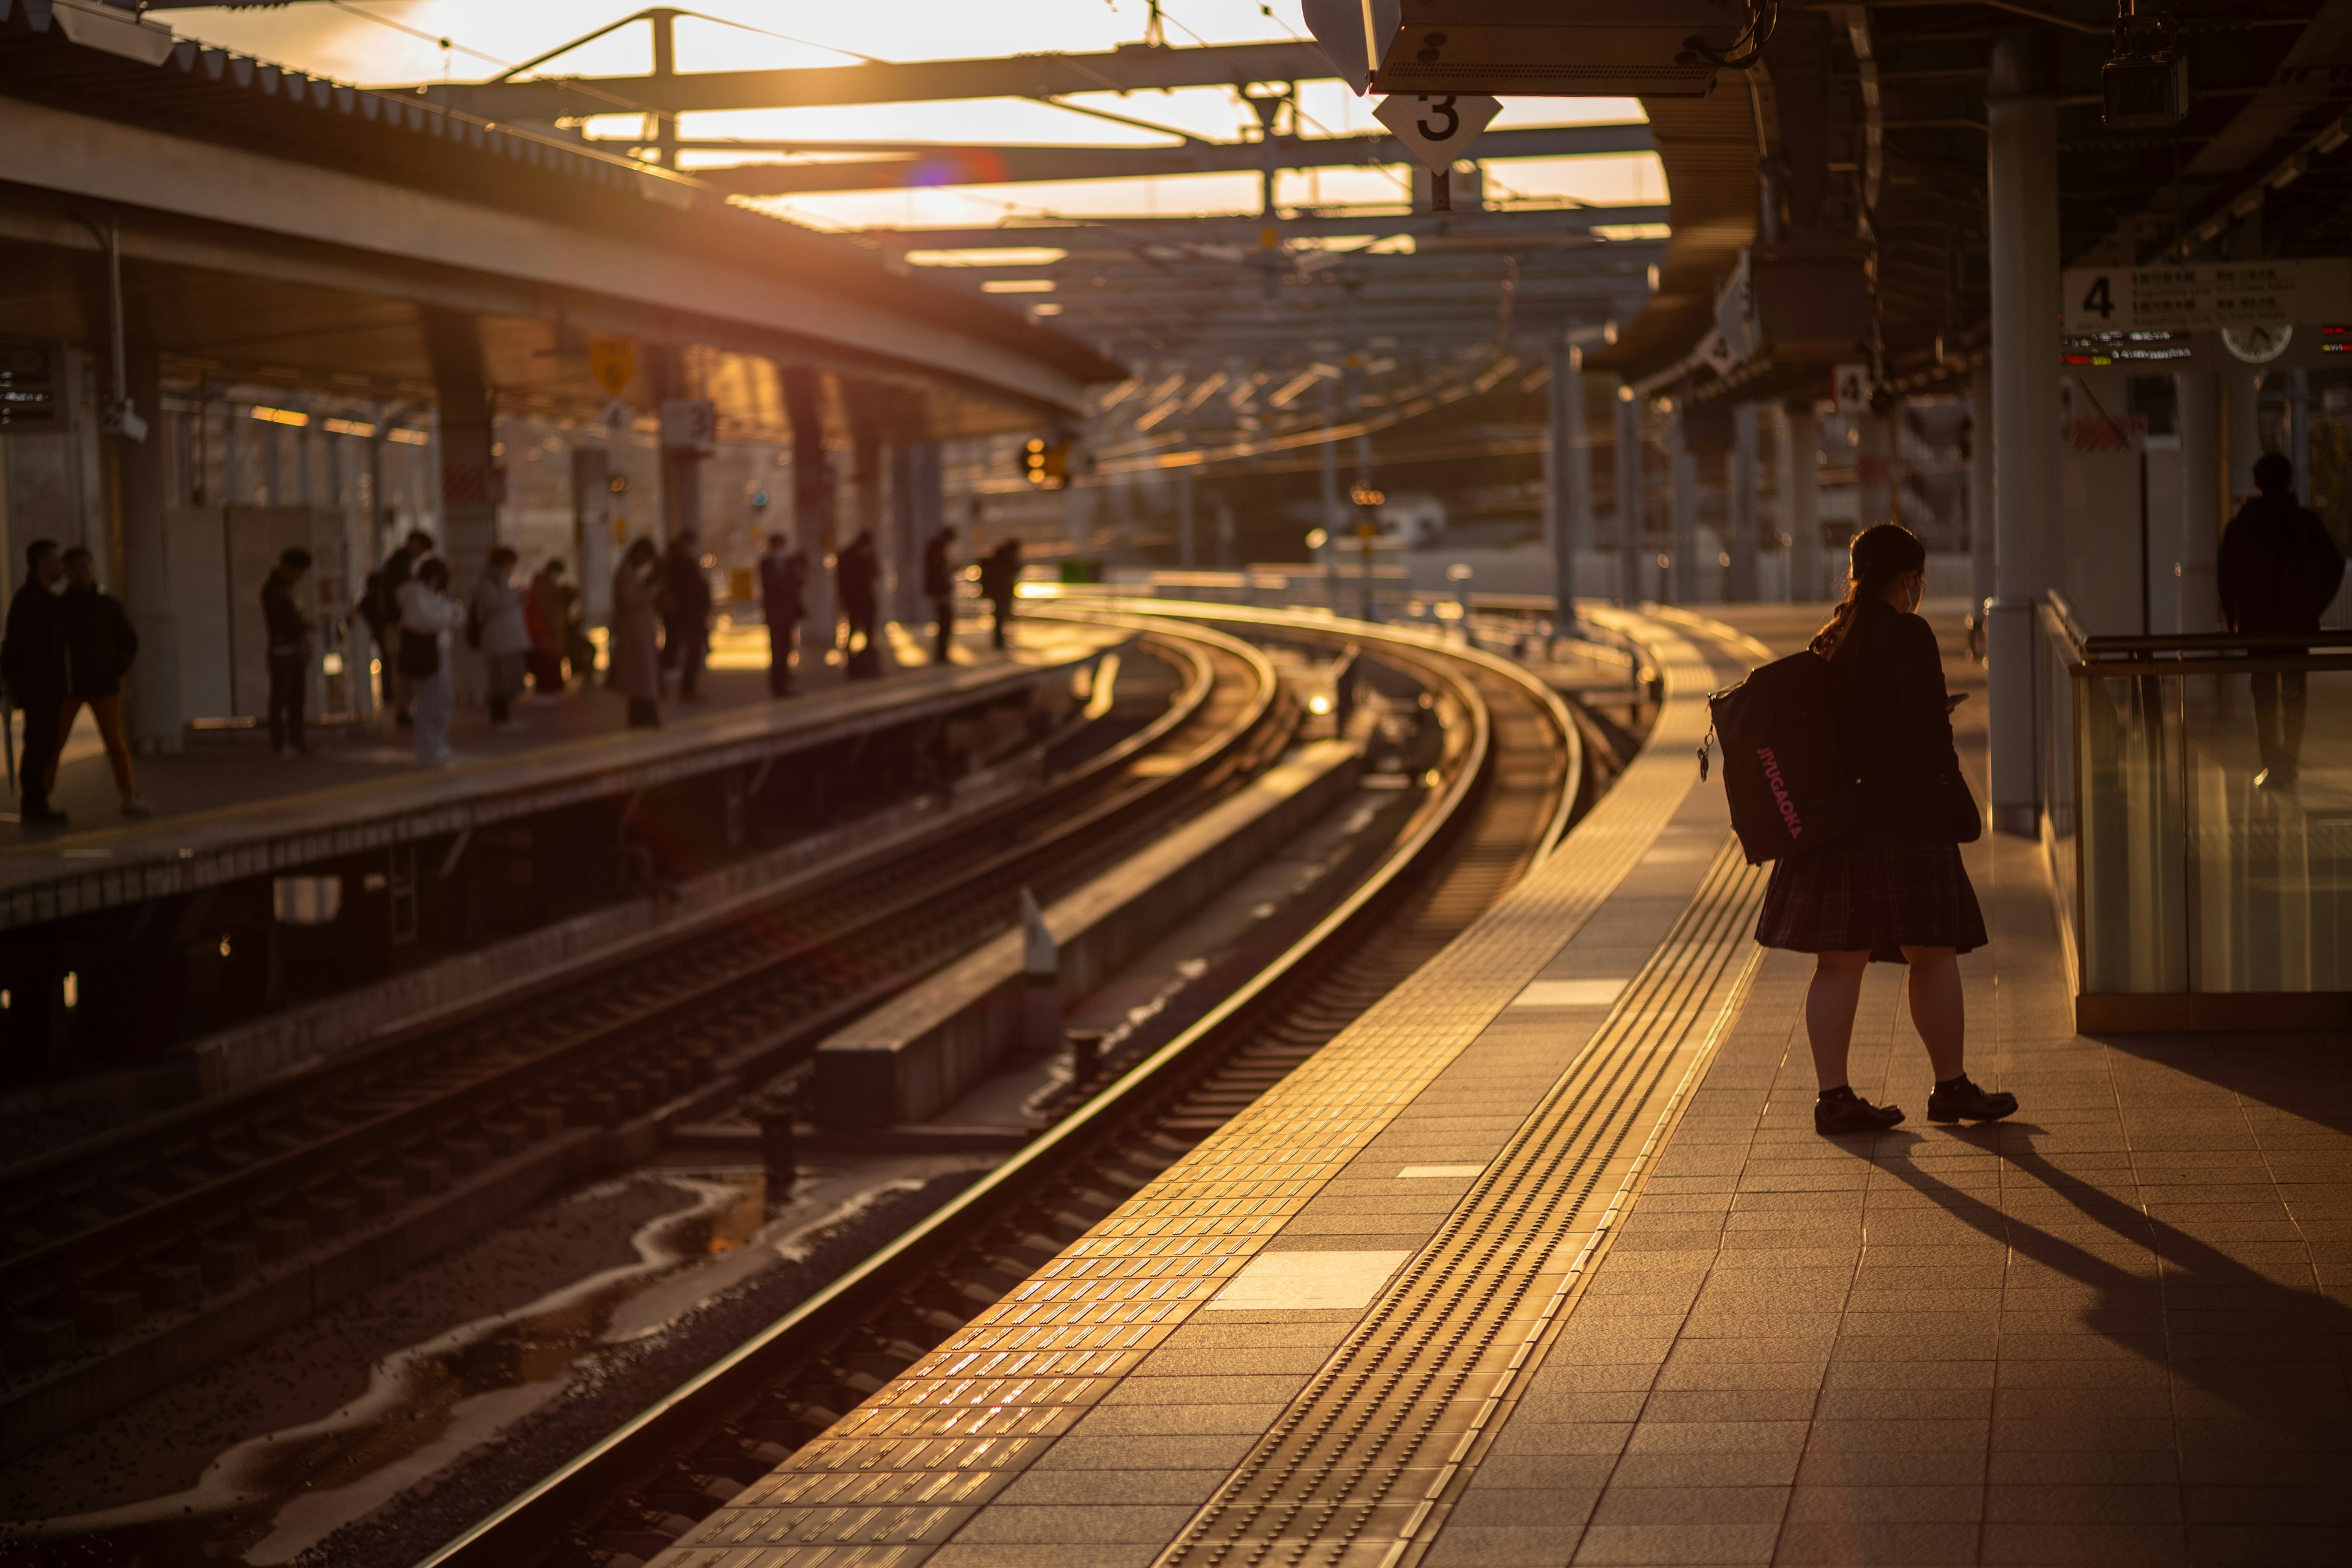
{"x": 783, "y": 576}
{"x": 686, "y": 613}
{"x": 34, "y": 662}
{"x": 548, "y": 618}
{"x": 495, "y": 624}
{"x": 427, "y": 615}
{"x": 635, "y": 647}
{"x": 289, "y": 651}
{"x": 101, "y": 646}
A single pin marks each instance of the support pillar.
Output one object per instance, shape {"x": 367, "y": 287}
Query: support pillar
{"x": 813, "y": 527}
{"x": 2299, "y": 432}
{"x": 1874, "y": 470}
{"x": 142, "y": 484}
{"x": 1981, "y": 483}
{"x": 1800, "y": 498}
{"x": 1684, "y": 588}
{"x": 1745, "y": 505}
{"x": 866, "y": 514}
{"x": 1633, "y": 523}
{"x": 2197, "y": 602}
{"x": 591, "y": 533}
{"x": 469, "y": 476}
{"x": 681, "y": 467}
{"x": 1186, "y": 513}
{"x": 1335, "y": 517}
{"x": 918, "y": 510}
{"x": 2022, "y": 182}
{"x": 1569, "y": 470}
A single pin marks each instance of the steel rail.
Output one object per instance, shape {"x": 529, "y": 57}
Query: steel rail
{"x": 532, "y": 1524}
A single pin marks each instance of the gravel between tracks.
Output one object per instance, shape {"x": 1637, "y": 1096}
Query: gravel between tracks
{"x": 631, "y": 1377}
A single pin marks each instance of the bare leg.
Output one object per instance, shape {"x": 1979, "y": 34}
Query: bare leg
{"x": 1830, "y": 1005}
{"x": 1938, "y": 1009}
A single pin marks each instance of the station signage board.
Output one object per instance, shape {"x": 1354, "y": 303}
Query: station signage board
{"x": 2207, "y": 296}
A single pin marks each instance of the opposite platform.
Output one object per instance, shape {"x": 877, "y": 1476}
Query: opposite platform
{"x": 45, "y": 878}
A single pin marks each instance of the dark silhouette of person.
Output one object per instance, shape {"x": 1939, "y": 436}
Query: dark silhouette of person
{"x": 856, "y": 572}
{"x": 1000, "y": 572}
{"x": 783, "y": 576}
{"x": 39, "y": 668}
{"x": 686, "y": 613}
{"x": 2279, "y": 570}
{"x": 289, "y": 651}
{"x": 380, "y": 608}
{"x": 939, "y": 587}
{"x": 102, "y": 647}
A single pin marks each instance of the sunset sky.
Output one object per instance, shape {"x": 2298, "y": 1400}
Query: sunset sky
{"x": 379, "y": 44}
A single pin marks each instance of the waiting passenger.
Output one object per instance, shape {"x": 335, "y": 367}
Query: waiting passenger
{"x": 380, "y": 608}
{"x": 494, "y": 623}
{"x": 1891, "y": 888}
{"x": 289, "y": 652}
{"x": 783, "y": 575}
{"x": 427, "y": 615}
{"x": 2279, "y": 570}
{"x": 856, "y": 572}
{"x": 939, "y": 587}
{"x": 547, "y": 617}
{"x": 686, "y": 614}
{"x": 635, "y": 651}
{"x": 999, "y": 575}
{"x": 34, "y": 663}
{"x": 102, "y": 645}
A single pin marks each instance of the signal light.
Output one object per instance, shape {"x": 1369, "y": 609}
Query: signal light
{"x": 1047, "y": 464}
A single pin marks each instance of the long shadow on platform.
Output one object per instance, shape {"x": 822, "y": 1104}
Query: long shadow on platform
{"x": 2276, "y": 1357}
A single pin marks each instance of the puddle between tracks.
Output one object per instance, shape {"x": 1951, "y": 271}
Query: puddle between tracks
{"x": 268, "y": 1498}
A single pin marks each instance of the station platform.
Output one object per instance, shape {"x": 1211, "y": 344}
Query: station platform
{"x": 1541, "y": 1262}
{"x": 227, "y": 809}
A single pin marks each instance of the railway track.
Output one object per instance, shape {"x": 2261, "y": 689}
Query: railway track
{"x": 189, "y": 1213}
{"x": 1508, "y": 778}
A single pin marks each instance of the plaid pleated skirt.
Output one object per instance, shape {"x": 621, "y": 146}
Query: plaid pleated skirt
{"x": 1871, "y": 891}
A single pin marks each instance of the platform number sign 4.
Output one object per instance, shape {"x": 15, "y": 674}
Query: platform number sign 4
{"x": 1437, "y": 128}
{"x": 2099, "y": 299}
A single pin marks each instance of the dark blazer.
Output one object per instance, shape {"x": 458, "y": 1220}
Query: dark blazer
{"x": 33, "y": 658}
{"x": 1895, "y": 734}
{"x": 780, "y": 580}
{"x": 938, "y": 576}
{"x": 99, "y": 641}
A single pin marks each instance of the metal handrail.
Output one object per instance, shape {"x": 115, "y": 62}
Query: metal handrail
{"x": 2110, "y": 646}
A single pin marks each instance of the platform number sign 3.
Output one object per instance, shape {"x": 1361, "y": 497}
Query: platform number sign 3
{"x": 1850, "y": 387}
{"x": 1437, "y": 128}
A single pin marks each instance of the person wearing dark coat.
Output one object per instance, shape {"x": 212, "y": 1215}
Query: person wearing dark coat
{"x": 290, "y": 644}
{"x": 858, "y": 573}
{"x": 783, "y": 576}
{"x": 380, "y": 608}
{"x": 101, "y": 646}
{"x": 686, "y": 613}
{"x": 2279, "y": 570}
{"x": 1000, "y": 573}
{"x": 939, "y": 587}
{"x": 1890, "y": 887}
{"x": 37, "y": 662}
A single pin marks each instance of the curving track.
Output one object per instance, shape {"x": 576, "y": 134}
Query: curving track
{"x": 1507, "y": 769}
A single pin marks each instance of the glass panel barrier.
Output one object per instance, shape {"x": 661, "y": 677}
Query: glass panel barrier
{"x": 2178, "y": 870}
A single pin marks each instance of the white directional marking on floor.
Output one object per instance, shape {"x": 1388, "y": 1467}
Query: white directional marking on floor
{"x": 1570, "y": 994}
{"x": 1424, "y": 1173}
{"x": 1293, "y": 1281}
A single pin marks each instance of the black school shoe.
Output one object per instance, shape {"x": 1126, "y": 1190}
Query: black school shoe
{"x": 1964, "y": 1101}
{"x": 1849, "y": 1112}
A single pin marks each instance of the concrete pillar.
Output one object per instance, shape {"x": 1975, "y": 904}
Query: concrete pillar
{"x": 469, "y": 513}
{"x": 1684, "y": 588}
{"x": 1744, "y": 503}
{"x": 1335, "y": 514}
{"x": 919, "y": 508}
{"x": 154, "y": 683}
{"x": 1981, "y": 483}
{"x": 1800, "y": 498}
{"x": 1633, "y": 523}
{"x": 1568, "y": 469}
{"x": 591, "y": 533}
{"x": 812, "y": 522}
{"x": 2022, "y": 182}
{"x": 2198, "y": 515}
{"x": 866, "y": 466}
{"x": 2243, "y": 393}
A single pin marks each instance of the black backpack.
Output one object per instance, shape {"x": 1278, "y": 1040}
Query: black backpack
{"x": 1779, "y": 730}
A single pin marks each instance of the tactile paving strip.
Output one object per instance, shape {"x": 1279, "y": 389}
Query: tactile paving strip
{"x": 1358, "y": 1462}
{"x": 1118, "y": 1292}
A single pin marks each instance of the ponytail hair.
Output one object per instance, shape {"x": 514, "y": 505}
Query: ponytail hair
{"x": 1882, "y": 556}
